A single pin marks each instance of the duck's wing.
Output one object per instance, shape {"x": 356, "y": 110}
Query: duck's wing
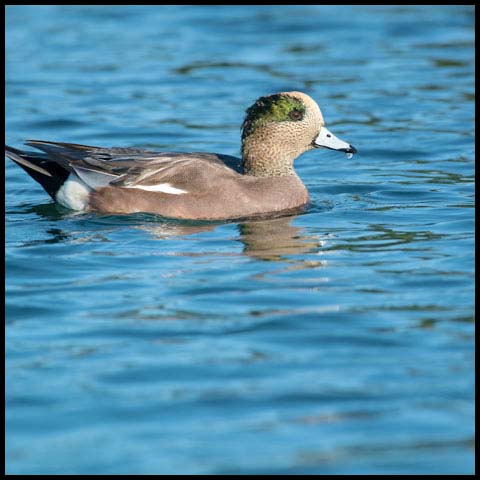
{"x": 135, "y": 167}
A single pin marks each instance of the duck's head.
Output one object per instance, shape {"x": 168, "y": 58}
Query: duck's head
{"x": 280, "y": 127}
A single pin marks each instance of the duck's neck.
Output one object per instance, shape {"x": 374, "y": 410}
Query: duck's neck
{"x": 264, "y": 157}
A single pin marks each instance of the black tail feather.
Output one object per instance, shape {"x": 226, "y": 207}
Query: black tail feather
{"x": 50, "y": 175}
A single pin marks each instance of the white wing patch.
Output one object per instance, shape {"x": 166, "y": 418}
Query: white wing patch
{"x": 73, "y": 193}
{"x": 162, "y": 187}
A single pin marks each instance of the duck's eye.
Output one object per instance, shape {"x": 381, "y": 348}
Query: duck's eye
{"x": 295, "y": 114}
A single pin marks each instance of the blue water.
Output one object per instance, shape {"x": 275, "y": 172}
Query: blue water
{"x": 337, "y": 341}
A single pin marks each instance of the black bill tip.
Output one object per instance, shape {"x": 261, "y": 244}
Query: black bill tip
{"x": 351, "y": 149}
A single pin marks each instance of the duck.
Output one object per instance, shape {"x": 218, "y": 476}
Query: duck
{"x": 277, "y": 129}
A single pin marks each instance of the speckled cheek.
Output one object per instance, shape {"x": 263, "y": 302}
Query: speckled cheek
{"x": 314, "y": 123}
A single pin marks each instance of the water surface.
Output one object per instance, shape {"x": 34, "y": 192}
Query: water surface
{"x": 337, "y": 341}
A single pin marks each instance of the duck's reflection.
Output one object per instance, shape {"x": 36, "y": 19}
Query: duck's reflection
{"x": 269, "y": 240}
{"x": 273, "y": 239}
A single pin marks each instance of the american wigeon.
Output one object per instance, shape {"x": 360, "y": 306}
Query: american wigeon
{"x": 200, "y": 186}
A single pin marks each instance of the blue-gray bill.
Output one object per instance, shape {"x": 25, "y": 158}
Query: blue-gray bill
{"x": 327, "y": 139}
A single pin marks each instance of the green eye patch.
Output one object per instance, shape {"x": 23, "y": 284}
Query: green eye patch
{"x": 272, "y": 108}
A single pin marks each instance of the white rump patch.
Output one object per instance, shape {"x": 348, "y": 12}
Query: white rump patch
{"x": 162, "y": 187}
{"x": 73, "y": 193}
